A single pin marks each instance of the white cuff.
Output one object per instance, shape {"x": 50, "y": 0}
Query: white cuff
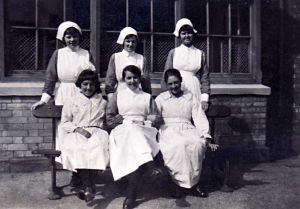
{"x": 204, "y": 97}
{"x": 45, "y": 97}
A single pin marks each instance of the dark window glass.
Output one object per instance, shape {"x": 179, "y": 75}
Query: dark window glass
{"x": 50, "y": 13}
{"x": 196, "y": 12}
{"x": 218, "y": 55}
{"x": 218, "y": 17}
{"x": 47, "y": 45}
{"x": 114, "y": 14}
{"x": 81, "y": 13}
{"x": 163, "y": 16}
{"x": 20, "y": 13}
{"x": 240, "y": 14}
{"x": 139, "y": 14}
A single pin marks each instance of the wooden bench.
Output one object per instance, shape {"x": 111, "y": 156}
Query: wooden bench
{"x": 54, "y": 112}
{"x": 215, "y": 112}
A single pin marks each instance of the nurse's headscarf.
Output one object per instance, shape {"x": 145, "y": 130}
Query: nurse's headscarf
{"x": 64, "y": 26}
{"x": 182, "y": 22}
{"x": 125, "y": 32}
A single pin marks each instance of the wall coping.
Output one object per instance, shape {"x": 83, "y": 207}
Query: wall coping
{"x": 35, "y": 89}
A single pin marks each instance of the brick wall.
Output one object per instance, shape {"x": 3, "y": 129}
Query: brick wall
{"x": 20, "y": 132}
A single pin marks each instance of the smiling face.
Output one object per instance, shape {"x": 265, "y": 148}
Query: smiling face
{"x": 72, "y": 38}
{"x": 132, "y": 80}
{"x": 88, "y": 88}
{"x": 174, "y": 85}
{"x": 130, "y": 43}
{"x": 186, "y": 35}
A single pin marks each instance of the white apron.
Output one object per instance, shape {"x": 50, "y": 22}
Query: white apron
{"x": 132, "y": 145}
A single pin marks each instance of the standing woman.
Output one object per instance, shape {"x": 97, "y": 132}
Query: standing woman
{"x": 191, "y": 63}
{"x": 182, "y": 144}
{"x": 133, "y": 142}
{"x": 64, "y": 67}
{"x": 128, "y": 38}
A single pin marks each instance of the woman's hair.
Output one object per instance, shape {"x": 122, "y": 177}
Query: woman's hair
{"x": 172, "y": 72}
{"x": 186, "y": 28}
{"x": 71, "y": 30}
{"x": 133, "y": 69}
{"x": 90, "y": 76}
{"x": 131, "y": 35}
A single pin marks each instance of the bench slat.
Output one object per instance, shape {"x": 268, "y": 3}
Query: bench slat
{"x": 48, "y": 111}
{"x": 218, "y": 111}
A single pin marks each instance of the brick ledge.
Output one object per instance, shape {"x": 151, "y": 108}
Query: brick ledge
{"x": 35, "y": 89}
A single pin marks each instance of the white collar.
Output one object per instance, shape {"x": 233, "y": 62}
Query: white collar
{"x": 186, "y": 95}
{"x": 184, "y": 47}
{"x": 127, "y": 54}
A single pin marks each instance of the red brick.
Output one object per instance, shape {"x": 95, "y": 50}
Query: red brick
{"x": 6, "y": 140}
{"x": 15, "y": 133}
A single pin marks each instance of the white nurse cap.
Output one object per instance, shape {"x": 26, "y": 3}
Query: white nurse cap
{"x": 64, "y": 26}
{"x": 180, "y": 23}
{"x": 125, "y": 32}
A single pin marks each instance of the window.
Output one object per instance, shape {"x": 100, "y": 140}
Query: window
{"x": 226, "y": 33}
{"x": 30, "y": 31}
{"x": 154, "y": 21}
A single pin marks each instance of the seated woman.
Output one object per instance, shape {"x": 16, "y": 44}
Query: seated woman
{"x": 133, "y": 142}
{"x": 85, "y": 146}
{"x": 182, "y": 144}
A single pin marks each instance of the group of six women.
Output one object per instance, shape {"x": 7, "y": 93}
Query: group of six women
{"x": 142, "y": 129}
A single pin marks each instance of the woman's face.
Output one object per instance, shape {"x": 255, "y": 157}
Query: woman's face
{"x": 132, "y": 81}
{"x": 130, "y": 43}
{"x": 72, "y": 40}
{"x": 174, "y": 85}
{"x": 88, "y": 88}
{"x": 186, "y": 37}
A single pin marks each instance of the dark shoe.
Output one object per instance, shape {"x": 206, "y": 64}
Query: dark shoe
{"x": 128, "y": 203}
{"x": 88, "y": 194}
{"x": 200, "y": 192}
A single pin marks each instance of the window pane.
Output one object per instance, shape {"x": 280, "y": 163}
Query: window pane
{"x": 47, "y": 45}
{"x": 218, "y": 17}
{"x": 20, "y": 13}
{"x": 196, "y": 12}
{"x": 139, "y": 14}
{"x": 85, "y": 44}
{"x": 218, "y": 55}
{"x": 20, "y": 49}
{"x": 114, "y": 14}
{"x": 50, "y": 13}
{"x": 81, "y": 13}
{"x": 240, "y": 56}
{"x": 162, "y": 45}
{"x": 163, "y": 16}
{"x": 240, "y": 16}
{"x": 201, "y": 43}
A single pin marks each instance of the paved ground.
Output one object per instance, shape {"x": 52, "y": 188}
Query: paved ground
{"x": 273, "y": 185}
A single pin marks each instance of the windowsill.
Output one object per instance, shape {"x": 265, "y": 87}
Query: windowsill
{"x": 35, "y": 89}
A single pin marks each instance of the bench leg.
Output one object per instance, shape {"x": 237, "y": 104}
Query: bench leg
{"x": 225, "y": 187}
{"x": 54, "y": 193}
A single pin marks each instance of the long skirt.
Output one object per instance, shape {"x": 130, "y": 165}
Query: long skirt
{"x": 130, "y": 146}
{"x": 79, "y": 152}
{"x": 183, "y": 151}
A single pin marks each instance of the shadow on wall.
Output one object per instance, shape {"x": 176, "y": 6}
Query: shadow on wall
{"x": 280, "y": 52}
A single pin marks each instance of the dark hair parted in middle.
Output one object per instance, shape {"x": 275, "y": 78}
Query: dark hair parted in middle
{"x": 186, "y": 28}
{"x": 88, "y": 75}
{"x": 171, "y": 72}
{"x": 133, "y": 69}
{"x": 72, "y": 31}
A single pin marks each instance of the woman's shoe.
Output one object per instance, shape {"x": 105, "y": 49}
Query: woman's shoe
{"x": 200, "y": 192}
{"x": 88, "y": 194}
{"x": 128, "y": 203}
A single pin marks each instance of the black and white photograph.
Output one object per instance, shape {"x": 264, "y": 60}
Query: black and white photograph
{"x": 149, "y": 104}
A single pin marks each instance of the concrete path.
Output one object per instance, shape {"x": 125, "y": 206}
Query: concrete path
{"x": 265, "y": 186}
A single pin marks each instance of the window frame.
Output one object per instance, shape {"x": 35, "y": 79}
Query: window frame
{"x": 254, "y": 74}
{"x": 31, "y": 75}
